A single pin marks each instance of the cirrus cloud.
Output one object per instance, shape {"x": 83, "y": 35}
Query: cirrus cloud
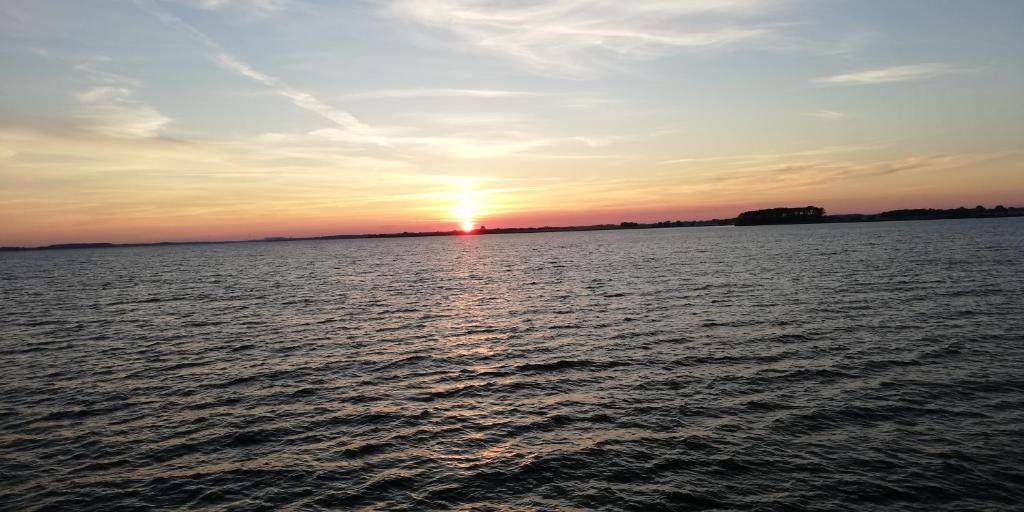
{"x": 572, "y": 37}
{"x": 891, "y": 74}
{"x": 256, "y": 6}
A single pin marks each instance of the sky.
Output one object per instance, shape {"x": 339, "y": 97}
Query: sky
{"x": 172, "y": 120}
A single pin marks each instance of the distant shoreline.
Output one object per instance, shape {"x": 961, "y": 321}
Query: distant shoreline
{"x": 888, "y": 216}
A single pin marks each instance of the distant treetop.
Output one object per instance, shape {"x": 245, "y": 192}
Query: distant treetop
{"x": 781, "y": 216}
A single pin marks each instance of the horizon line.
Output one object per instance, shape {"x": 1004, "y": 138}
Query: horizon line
{"x": 483, "y": 230}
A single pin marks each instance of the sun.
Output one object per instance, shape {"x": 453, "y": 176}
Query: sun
{"x": 466, "y": 211}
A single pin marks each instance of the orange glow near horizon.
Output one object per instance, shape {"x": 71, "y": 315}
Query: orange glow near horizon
{"x": 249, "y": 200}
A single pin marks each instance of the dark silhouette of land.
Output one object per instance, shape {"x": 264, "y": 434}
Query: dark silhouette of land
{"x": 978, "y": 212}
{"x": 803, "y": 215}
{"x": 815, "y": 214}
{"x": 799, "y": 215}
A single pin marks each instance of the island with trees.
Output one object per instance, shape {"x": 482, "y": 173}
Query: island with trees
{"x": 815, "y": 214}
{"x": 801, "y": 215}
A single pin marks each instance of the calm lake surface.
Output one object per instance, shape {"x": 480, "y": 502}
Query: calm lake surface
{"x": 817, "y": 367}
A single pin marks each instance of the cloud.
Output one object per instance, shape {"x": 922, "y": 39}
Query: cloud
{"x": 828, "y": 172}
{"x": 761, "y": 157}
{"x": 771, "y": 180}
{"x": 572, "y": 37}
{"x": 347, "y": 127}
{"x": 352, "y": 130}
{"x": 190, "y": 186}
{"x": 891, "y": 74}
{"x": 112, "y": 111}
{"x": 827, "y": 115}
{"x": 252, "y": 6}
{"x": 597, "y": 142}
{"x": 437, "y": 93}
{"x": 475, "y": 147}
{"x": 225, "y": 59}
{"x": 110, "y": 107}
{"x": 301, "y": 99}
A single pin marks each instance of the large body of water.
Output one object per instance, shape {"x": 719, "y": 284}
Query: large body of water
{"x": 817, "y": 367}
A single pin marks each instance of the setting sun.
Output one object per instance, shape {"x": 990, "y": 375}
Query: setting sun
{"x": 466, "y": 211}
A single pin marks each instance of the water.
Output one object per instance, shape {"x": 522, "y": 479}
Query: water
{"x": 820, "y": 367}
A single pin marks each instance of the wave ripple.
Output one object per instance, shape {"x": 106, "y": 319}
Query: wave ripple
{"x": 845, "y": 367}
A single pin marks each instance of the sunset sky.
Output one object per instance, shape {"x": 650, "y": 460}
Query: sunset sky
{"x": 152, "y": 120}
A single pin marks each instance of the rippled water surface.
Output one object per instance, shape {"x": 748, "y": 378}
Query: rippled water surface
{"x": 820, "y": 367}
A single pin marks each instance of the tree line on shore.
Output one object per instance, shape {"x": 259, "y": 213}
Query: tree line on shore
{"x": 800, "y": 215}
{"x": 814, "y": 214}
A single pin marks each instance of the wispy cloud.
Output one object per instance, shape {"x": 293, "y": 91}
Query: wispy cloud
{"x": 475, "y": 147}
{"x": 597, "y": 142}
{"x": 436, "y": 93}
{"x": 571, "y": 36}
{"x": 347, "y": 127}
{"x": 891, "y": 74}
{"x": 821, "y": 173}
{"x": 827, "y": 115}
{"x": 301, "y": 99}
{"x": 110, "y": 106}
{"x": 254, "y": 6}
{"x": 773, "y": 179}
{"x": 113, "y": 111}
{"x": 225, "y": 59}
{"x": 473, "y": 120}
{"x": 761, "y": 157}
